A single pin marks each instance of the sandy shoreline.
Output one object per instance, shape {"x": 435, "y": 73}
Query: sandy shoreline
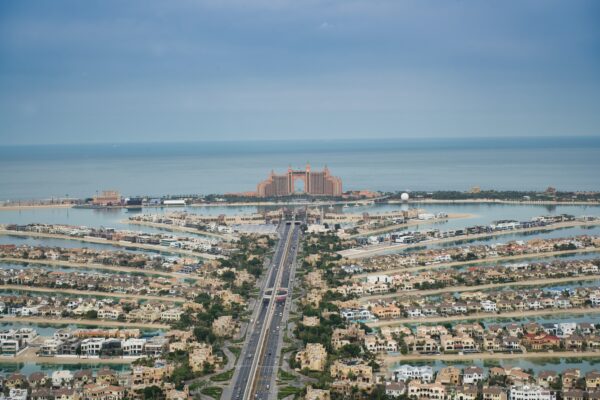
{"x": 33, "y": 207}
{"x": 496, "y": 201}
{"x": 549, "y": 254}
{"x": 175, "y": 228}
{"x": 452, "y": 289}
{"x": 29, "y": 356}
{"x": 142, "y": 246}
{"x": 480, "y": 316}
{"x": 113, "y": 268}
{"x": 76, "y": 321}
{"x": 170, "y": 299}
{"x": 413, "y": 223}
{"x": 16, "y": 207}
{"x": 487, "y": 356}
{"x": 387, "y": 247}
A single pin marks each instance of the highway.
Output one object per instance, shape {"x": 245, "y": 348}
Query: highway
{"x": 268, "y": 363}
{"x": 256, "y": 366}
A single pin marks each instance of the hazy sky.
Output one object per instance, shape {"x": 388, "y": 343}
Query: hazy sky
{"x": 117, "y": 71}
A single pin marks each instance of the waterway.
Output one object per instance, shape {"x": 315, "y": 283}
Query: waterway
{"x": 7, "y": 367}
{"x": 482, "y": 214}
{"x": 537, "y": 365}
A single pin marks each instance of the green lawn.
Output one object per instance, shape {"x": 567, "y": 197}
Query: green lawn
{"x": 197, "y": 385}
{"x": 287, "y": 391}
{"x": 223, "y": 376}
{"x": 286, "y": 376}
{"x": 288, "y": 349}
{"x": 235, "y": 350}
{"x": 214, "y": 392}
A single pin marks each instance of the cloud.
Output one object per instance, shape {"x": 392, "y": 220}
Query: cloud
{"x": 325, "y": 25}
{"x": 199, "y": 64}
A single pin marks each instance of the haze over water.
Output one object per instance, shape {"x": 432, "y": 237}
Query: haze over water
{"x": 28, "y": 172}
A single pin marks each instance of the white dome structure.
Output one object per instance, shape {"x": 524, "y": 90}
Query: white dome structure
{"x": 404, "y": 197}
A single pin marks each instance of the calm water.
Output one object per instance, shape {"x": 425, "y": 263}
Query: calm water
{"x": 537, "y": 365}
{"x": 7, "y": 367}
{"x": 219, "y": 167}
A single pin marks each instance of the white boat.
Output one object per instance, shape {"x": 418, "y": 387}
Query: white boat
{"x": 346, "y": 206}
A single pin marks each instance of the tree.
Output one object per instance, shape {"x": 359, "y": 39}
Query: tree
{"x": 350, "y": 350}
{"x": 152, "y": 393}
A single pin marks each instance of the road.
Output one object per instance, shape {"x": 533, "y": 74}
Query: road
{"x": 268, "y": 364}
{"x": 257, "y": 364}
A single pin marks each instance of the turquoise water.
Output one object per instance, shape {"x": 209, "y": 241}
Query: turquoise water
{"x": 27, "y": 368}
{"x": 219, "y": 167}
{"x": 115, "y": 218}
{"x": 537, "y": 365}
{"x": 534, "y": 259}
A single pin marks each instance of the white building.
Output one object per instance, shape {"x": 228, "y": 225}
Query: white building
{"x": 173, "y": 314}
{"x": 91, "y": 346}
{"x": 473, "y": 375}
{"x": 9, "y": 346}
{"x": 527, "y": 392}
{"x": 395, "y": 388}
{"x": 26, "y": 335}
{"x": 62, "y": 334}
{"x": 356, "y": 315}
{"x": 595, "y": 299}
{"x": 405, "y": 372}
{"x": 488, "y": 306}
{"x": 49, "y": 347}
{"x": 109, "y": 313}
{"x": 379, "y": 279}
{"x": 133, "y": 347}
{"x": 566, "y": 329}
{"x": 62, "y": 378}
{"x": 17, "y": 394}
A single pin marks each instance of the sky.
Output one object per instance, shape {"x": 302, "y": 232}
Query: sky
{"x": 75, "y": 71}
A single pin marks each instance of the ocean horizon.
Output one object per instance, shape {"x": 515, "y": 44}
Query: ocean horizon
{"x": 80, "y": 170}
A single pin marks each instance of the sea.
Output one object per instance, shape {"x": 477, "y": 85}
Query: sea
{"x": 155, "y": 169}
